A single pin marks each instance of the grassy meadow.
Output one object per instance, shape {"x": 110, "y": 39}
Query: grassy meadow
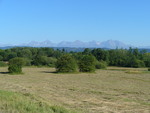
{"x": 118, "y": 90}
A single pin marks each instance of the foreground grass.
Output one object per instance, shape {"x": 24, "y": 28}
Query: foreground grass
{"x": 11, "y": 102}
{"x": 117, "y": 89}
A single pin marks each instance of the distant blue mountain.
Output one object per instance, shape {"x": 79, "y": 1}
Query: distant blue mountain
{"x": 109, "y": 44}
{"x": 112, "y": 44}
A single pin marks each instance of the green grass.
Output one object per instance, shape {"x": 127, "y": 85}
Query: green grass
{"x": 11, "y": 102}
{"x": 137, "y": 72}
{"x": 140, "y": 102}
{"x": 111, "y": 90}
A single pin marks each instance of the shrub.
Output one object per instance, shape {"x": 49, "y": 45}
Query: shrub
{"x": 51, "y": 61}
{"x": 66, "y": 63}
{"x": 87, "y": 63}
{"x": 1, "y": 58}
{"x": 44, "y": 61}
{"x": 148, "y": 69}
{"x": 15, "y": 65}
{"x": 138, "y": 63}
{"x": 2, "y": 64}
{"x": 27, "y": 62}
{"x": 101, "y": 65}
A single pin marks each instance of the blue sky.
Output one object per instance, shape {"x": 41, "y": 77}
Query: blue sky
{"x": 22, "y": 21}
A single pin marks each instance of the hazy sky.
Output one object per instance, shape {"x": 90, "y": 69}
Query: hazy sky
{"x": 22, "y": 21}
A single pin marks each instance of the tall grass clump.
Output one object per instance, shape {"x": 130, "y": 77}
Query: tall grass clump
{"x": 11, "y": 102}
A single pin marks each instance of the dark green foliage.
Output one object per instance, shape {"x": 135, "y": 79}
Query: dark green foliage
{"x": 66, "y": 63}
{"x": 86, "y": 51}
{"x": 15, "y": 65}
{"x": 2, "y": 64}
{"x": 101, "y": 65}
{"x": 1, "y": 58}
{"x": 131, "y": 57}
{"x": 25, "y": 52}
{"x": 146, "y": 58}
{"x": 15, "y": 69}
{"x": 101, "y": 54}
{"x": 10, "y": 55}
{"x": 57, "y": 54}
{"x": 148, "y": 69}
{"x": 126, "y": 58}
{"x": 118, "y": 57}
{"x": 87, "y": 63}
{"x": 44, "y": 61}
{"x": 52, "y": 61}
{"x": 138, "y": 63}
{"x": 77, "y": 56}
{"x": 27, "y": 62}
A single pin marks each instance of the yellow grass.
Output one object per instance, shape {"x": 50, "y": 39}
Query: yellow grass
{"x": 111, "y": 90}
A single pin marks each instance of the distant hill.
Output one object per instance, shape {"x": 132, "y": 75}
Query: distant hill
{"x": 7, "y": 47}
{"x": 111, "y": 44}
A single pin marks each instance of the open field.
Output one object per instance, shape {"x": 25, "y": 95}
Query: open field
{"x": 13, "y": 102}
{"x": 123, "y": 90}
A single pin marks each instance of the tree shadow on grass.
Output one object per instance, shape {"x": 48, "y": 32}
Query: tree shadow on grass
{"x": 4, "y": 72}
{"x": 49, "y": 72}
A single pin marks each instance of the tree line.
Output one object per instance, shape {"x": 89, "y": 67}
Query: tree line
{"x": 85, "y": 61}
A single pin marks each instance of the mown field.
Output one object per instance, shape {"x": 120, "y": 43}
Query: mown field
{"x": 122, "y": 90}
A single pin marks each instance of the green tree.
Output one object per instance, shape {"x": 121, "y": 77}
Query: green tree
{"x": 147, "y": 59}
{"x": 66, "y": 63}
{"x": 11, "y": 55}
{"x": 25, "y": 52}
{"x": 86, "y": 51}
{"x": 1, "y": 58}
{"x": 44, "y": 61}
{"x": 137, "y": 63}
{"x": 87, "y": 63}
{"x": 101, "y": 65}
{"x": 2, "y": 64}
{"x": 101, "y": 54}
{"x": 15, "y": 65}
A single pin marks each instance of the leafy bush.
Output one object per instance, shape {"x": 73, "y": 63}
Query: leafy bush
{"x": 2, "y": 64}
{"x": 138, "y": 63}
{"x": 1, "y": 58}
{"x": 51, "y": 61}
{"x": 66, "y": 63}
{"x": 87, "y": 63}
{"x": 44, "y": 61}
{"x": 148, "y": 69}
{"x": 27, "y": 62}
{"x": 146, "y": 58}
{"x": 101, "y": 65}
{"x": 15, "y": 65}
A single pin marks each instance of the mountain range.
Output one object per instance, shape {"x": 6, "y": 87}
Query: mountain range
{"x": 110, "y": 44}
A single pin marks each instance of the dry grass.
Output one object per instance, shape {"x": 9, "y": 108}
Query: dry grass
{"x": 111, "y": 90}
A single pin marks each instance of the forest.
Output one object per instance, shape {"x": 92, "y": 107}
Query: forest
{"x": 131, "y": 57}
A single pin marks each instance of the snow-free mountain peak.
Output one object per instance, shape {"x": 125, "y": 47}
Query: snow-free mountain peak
{"x": 111, "y": 44}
